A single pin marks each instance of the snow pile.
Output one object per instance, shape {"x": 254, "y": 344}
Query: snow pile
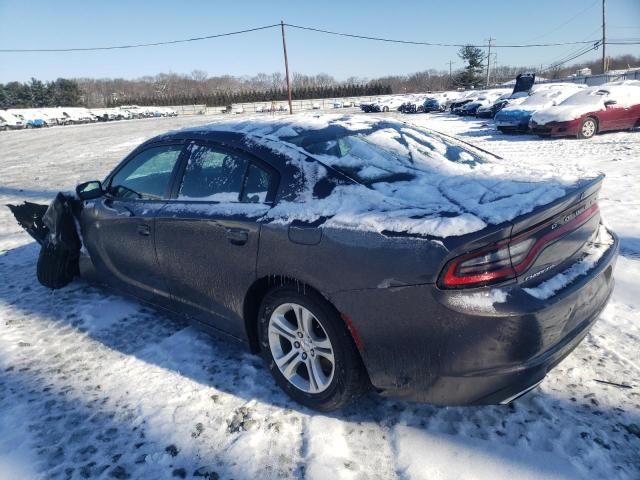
{"x": 624, "y": 93}
{"x": 594, "y": 253}
{"x": 405, "y": 178}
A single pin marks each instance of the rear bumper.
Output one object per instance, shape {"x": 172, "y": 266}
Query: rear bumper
{"x": 448, "y": 347}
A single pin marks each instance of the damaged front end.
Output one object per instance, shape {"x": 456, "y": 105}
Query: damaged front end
{"x": 55, "y": 229}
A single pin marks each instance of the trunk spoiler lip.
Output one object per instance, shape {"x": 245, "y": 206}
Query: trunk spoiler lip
{"x": 467, "y": 243}
{"x": 545, "y": 212}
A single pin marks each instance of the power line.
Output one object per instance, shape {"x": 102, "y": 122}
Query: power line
{"x": 432, "y": 44}
{"x": 300, "y": 27}
{"x": 570, "y": 54}
{"x": 136, "y": 45}
{"x": 578, "y": 54}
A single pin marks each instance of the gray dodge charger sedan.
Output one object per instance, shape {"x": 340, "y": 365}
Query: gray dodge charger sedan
{"x": 351, "y": 252}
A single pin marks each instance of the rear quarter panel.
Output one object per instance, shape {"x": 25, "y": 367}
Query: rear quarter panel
{"x": 348, "y": 259}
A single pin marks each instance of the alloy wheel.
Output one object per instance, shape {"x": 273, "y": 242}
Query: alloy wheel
{"x": 588, "y": 128}
{"x": 301, "y": 348}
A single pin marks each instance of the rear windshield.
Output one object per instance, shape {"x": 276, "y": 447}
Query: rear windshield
{"x": 386, "y": 154}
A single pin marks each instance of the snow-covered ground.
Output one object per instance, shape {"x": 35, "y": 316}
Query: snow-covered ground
{"x": 93, "y": 385}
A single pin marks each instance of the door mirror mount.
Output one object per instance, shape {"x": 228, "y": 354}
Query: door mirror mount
{"x": 90, "y": 190}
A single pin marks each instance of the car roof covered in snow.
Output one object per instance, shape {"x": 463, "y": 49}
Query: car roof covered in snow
{"x": 404, "y": 178}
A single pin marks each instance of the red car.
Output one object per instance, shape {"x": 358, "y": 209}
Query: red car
{"x": 612, "y": 106}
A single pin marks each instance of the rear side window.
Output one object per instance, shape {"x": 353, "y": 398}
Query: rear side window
{"x": 147, "y": 175}
{"x": 215, "y": 174}
{"x": 257, "y": 184}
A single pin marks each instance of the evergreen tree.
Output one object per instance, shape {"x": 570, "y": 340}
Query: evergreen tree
{"x": 471, "y": 75}
{"x": 38, "y": 91}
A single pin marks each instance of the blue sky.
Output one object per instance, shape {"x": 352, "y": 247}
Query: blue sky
{"x": 71, "y": 23}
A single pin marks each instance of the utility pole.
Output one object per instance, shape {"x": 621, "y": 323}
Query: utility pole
{"x": 286, "y": 67}
{"x": 604, "y": 39}
{"x": 489, "y": 59}
{"x": 451, "y": 62}
{"x": 495, "y": 67}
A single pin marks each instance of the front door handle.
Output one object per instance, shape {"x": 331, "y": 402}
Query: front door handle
{"x": 237, "y": 236}
{"x": 144, "y": 230}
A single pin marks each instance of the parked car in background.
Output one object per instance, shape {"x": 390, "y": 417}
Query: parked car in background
{"x": 29, "y": 118}
{"x": 346, "y": 258}
{"x": 456, "y": 105}
{"x": 434, "y": 104}
{"x": 367, "y": 107}
{"x": 485, "y": 100}
{"x": 388, "y": 104}
{"x": 515, "y": 117}
{"x": 10, "y": 121}
{"x": 315, "y": 106}
{"x": 513, "y": 99}
{"x": 612, "y": 106}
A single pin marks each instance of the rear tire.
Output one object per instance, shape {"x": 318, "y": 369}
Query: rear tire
{"x": 340, "y": 376}
{"x": 56, "y": 266}
{"x": 588, "y": 128}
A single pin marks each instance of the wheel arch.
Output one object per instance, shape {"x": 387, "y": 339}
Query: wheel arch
{"x": 256, "y": 293}
{"x": 259, "y": 289}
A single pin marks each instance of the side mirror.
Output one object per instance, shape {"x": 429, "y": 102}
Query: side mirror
{"x": 89, "y": 190}
{"x": 610, "y": 103}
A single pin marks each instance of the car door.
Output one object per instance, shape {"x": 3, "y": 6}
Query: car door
{"x": 118, "y": 228}
{"x": 207, "y": 236}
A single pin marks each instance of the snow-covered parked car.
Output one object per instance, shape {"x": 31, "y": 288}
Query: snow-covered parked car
{"x": 10, "y": 121}
{"x": 350, "y": 251}
{"x": 29, "y": 117}
{"x": 387, "y": 104}
{"x": 612, "y": 106}
{"x": 515, "y": 117}
{"x": 486, "y": 99}
{"x": 490, "y": 111}
{"x": 434, "y": 104}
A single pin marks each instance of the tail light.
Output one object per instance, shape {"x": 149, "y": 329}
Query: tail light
{"x": 506, "y": 259}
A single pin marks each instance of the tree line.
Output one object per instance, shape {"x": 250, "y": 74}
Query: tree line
{"x": 38, "y": 94}
{"x": 222, "y": 90}
{"x": 225, "y": 98}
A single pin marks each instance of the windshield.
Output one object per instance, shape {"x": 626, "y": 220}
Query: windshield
{"x": 385, "y": 155}
{"x": 586, "y": 98}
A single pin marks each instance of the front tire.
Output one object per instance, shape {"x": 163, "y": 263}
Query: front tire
{"x": 309, "y": 350}
{"x": 56, "y": 266}
{"x": 588, "y": 128}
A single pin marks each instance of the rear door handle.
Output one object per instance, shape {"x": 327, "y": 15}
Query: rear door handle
{"x": 237, "y": 236}
{"x": 144, "y": 230}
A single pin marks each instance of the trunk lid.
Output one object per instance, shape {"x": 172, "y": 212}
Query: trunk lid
{"x": 532, "y": 246}
{"x": 560, "y": 230}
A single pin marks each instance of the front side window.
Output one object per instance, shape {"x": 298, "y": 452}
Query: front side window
{"x": 146, "y": 176}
